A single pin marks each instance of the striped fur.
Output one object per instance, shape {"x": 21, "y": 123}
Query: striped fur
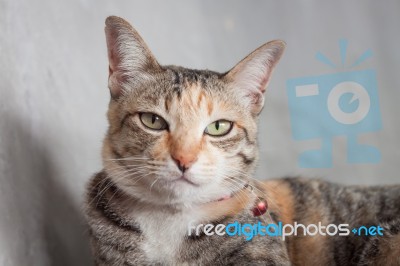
{"x": 140, "y": 205}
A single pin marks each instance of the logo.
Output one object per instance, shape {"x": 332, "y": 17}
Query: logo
{"x": 338, "y": 104}
{"x": 249, "y": 231}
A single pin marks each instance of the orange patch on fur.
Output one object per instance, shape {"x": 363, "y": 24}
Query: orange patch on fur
{"x": 167, "y": 104}
{"x": 200, "y": 98}
{"x": 210, "y": 106}
{"x": 161, "y": 149}
{"x": 306, "y": 245}
{"x": 281, "y": 200}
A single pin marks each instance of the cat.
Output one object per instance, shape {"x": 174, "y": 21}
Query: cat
{"x": 181, "y": 149}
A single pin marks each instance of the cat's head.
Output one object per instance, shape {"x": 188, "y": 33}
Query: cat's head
{"x": 178, "y": 135}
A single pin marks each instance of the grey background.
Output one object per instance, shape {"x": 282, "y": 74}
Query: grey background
{"x": 53, "y": 96}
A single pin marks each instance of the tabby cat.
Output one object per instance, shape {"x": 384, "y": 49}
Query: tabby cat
{"x": 181, "y": 148}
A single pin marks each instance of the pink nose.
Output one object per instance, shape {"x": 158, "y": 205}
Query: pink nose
{"x": 184, "y": 160}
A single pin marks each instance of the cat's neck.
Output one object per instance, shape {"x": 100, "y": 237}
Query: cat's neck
{"x": 207, "y": 211}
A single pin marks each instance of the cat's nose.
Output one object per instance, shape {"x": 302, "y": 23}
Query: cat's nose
{"x": 184, "y": 161}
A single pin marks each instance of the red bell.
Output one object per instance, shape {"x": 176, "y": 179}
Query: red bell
{"x": 260, "y": 208}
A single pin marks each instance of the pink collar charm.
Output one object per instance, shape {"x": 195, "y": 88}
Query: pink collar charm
{"x": 260, "y": 208}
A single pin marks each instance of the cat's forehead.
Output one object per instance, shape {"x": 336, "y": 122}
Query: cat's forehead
{"x": 184, "y": 87}
{"x": 186, "y": 96}
{"x": 181, "y": 76}
{"x": 192, "y": 93}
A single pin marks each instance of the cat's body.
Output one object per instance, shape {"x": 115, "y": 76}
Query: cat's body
{"x": 181, "y": 149}
{"x": 123, "y": 236}
{"x": 159, "y": 236}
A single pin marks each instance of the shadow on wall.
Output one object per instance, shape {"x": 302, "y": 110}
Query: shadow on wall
{"x": 43, "y": 224}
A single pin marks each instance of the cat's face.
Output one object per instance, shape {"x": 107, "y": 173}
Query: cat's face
{"x": 178, "y": 135}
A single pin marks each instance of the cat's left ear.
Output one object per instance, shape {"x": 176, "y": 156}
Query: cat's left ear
{"x": 250, "y": 77}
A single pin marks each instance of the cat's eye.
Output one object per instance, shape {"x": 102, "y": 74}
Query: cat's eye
{"x": 219, "y": 128}
{"x": 153, "y": 121}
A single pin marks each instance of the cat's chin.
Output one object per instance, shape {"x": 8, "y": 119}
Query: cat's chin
{"x": 185, "y": 180}
{"x": 178, "y": 192}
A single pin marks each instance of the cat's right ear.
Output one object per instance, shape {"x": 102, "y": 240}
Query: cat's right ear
{"x": 251, "y": 76}
{"x": 130, "y": 60}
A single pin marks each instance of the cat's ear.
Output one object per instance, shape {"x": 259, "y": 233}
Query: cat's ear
{"x": 251, "y": 76}
{"x": 130, "y": 60}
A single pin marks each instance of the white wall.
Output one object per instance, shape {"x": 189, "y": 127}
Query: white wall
{"x": 53, "y": 96}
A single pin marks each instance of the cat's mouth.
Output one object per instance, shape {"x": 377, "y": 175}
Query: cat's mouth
{"x": 185, "y": 179}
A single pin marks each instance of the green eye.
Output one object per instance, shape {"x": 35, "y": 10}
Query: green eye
{"x": 218, "y": 128}
{"x": 153, "y": 121}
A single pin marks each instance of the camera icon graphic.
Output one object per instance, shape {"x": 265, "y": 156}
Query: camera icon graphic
{"x": 339, "y": 104}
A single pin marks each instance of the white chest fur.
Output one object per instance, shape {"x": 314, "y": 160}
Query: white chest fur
{"x": 164, "y": 232}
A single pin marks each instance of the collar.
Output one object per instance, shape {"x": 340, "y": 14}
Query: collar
{"x": 260, "y": 205}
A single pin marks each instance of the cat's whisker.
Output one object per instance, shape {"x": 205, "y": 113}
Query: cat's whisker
{"x": 270, "y": 200}
{"x": 143, "y": 168}
{"x": 242, "y": 199}
{"x": 149, "y": 173}
{"x": 104, "y": 190}
{"x": 142, "y": 158}
{"x": 152, "y": 184}
{"x": 157, "y": 162}
{"x": 115, "y": 175}
{"x": 124, "y": 167}
{"x": 117, "y": 190}
{"x": 116, "y": 178}
{"x": 262, "y": 193}
{"x": 145, "y": 160}
{"x": 99, "y": 195}
{"x": 145, "y": 163}
{"x": 235, "y": 189}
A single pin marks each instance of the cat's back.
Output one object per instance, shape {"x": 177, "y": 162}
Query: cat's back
{"x": 315, "y": 201}
{"x": 317, "y": 198}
